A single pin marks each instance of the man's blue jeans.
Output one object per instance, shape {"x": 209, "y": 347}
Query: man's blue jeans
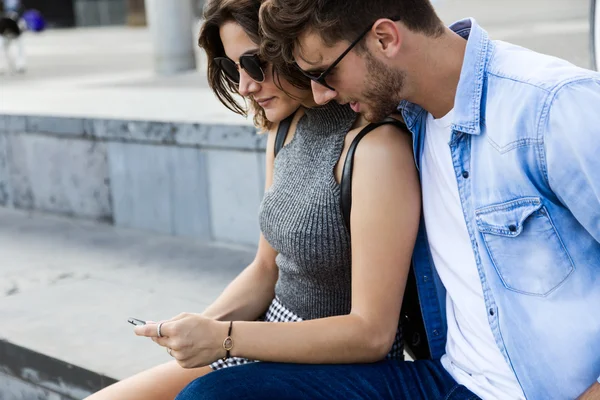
{"x": 397, "y": 380}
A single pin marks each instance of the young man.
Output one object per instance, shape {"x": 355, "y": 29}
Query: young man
{"x": 507, "y": 142}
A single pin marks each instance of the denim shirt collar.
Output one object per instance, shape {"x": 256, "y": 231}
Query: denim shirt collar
{"x": 467, "y": 103}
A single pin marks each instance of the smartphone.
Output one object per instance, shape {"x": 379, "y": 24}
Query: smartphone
{"x": 136, "y": 322}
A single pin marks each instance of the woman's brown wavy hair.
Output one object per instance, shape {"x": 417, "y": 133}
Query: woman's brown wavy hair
{"x": 245, "y": 14}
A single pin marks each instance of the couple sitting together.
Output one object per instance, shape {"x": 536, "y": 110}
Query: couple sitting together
{"x": 428, "y": 190}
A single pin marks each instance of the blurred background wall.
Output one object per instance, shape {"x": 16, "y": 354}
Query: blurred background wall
{"x": 70, "y": 13}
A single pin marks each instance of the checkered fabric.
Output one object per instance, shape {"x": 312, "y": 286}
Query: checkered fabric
{"x": 397, "y": 351}
{"x": 277, "y": 312}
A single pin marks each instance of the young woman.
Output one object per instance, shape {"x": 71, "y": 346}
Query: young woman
{"x": 337, "y": 300}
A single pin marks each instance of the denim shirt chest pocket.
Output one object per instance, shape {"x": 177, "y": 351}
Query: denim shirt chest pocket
{"x": 524, "y": 246}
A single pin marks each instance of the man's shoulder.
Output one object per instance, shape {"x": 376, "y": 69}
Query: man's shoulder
{"x": 531, "y": 72}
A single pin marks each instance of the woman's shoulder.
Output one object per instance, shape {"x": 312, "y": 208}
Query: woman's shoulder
{"x": 384, "y": 140}
{"x": 389, "y": 131}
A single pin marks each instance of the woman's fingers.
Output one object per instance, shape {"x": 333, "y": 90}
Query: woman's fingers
{"x": 152, "y": 329}
{"x": 164, "y": 342}
{"x": 180, "y": 316}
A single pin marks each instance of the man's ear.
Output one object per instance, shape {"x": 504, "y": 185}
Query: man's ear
{"x": 388, "y": 37}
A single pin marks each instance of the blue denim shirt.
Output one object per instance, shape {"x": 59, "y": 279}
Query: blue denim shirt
{"x": 526, "y": 150}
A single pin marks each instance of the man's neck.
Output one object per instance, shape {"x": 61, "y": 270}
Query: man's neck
{"x": 436, "y": 67}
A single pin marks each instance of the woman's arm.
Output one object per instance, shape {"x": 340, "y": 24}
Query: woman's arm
{"x": 248, "y": 296}
{"x": 384, "y": 220}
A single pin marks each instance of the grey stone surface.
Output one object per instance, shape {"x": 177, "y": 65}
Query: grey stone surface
{"x": 59, "y": 175}
{"x": 140, "y": 184}
{"x": 12, "y": 123}
{"x": 160, "y": 188}
{"x": 51, "y": 374}
{"x": 143, "y": 131}
{"x": 190, "y": 205}
{"x": 235, "y": 195}
{"x": 145, "y": 175}
{"x": 204, "y": 135}
{"x": 5, "y": 187}
{"x": 12, "y": 388}
{"x": 19, "y": 173}
{"x": 262, "y": 161}
{"x": 68, "y": 286}
{"x": 220, "y": 136}
{"x": 56, "y": 125}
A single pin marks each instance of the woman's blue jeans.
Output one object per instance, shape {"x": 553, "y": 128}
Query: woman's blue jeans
{"x": 397, "y": 380}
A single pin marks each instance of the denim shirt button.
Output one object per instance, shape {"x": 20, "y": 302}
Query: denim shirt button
{"x": 465, "y": 174}
{"x": 492, "y": 312}
{"x": 512, "y": 228}
{"x": 425, "y": 278}
{"x": 436, "y": 333}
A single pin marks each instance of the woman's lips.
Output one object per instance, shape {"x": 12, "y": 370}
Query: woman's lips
{"x": 264, "y": 102}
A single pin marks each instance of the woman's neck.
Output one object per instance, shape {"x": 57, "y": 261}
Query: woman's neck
{"x": 309, "y": 102}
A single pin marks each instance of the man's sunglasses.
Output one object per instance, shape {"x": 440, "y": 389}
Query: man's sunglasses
{"x": 319, "y": 77}
{"x": 250, "y": 63}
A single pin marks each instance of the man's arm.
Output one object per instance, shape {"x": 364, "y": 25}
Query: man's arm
{"x": 593, "y": 393}
{"x": 571, "y": 135}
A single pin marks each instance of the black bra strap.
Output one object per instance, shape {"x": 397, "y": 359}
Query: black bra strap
{"x": 346, "y": 181}
{"x": 282, "y": 132}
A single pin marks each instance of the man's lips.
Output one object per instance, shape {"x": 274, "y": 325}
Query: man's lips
{"x": 355, "y": 105}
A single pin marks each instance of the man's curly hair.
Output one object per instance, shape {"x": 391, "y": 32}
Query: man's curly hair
{"x": 283, "y": 22}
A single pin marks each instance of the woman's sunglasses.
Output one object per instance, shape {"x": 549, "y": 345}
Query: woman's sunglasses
{"x": 250, "y": 63}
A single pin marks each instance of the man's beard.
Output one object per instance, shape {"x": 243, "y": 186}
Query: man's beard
{"x": 382, "y": 89}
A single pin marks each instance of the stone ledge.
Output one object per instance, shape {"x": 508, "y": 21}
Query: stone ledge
{"x": 41, "y": 373}
{"x": 203, "y": 135}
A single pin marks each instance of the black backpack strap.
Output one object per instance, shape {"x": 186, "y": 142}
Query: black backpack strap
{"x": 411, "y": 318}
{"x": 282, "y": 132}
{"x": 346, "y": 180}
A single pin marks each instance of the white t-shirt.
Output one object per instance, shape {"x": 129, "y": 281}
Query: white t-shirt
{"x": 472, "y": 356}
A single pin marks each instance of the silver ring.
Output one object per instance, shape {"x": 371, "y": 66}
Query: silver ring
{"x": 158, "y": 329}
{"x": 169, "y": 350}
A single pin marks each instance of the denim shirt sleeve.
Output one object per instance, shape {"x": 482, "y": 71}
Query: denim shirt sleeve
{"x": 570, "y": 131}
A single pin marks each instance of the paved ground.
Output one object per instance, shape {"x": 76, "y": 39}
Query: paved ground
{"x": 68, "y": 286}
{"x": 107, "y": 72}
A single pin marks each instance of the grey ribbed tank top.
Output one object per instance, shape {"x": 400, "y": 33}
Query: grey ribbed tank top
{"x": 301, "y": 216}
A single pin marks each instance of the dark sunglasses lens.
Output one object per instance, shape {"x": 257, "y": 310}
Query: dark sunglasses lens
{"x": 251, "y": 65}
{"x": 313, "y": 76}
{"x": 229, "y": 69}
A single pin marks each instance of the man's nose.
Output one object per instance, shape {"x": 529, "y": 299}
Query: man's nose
{"x": 247, "y": 85}
{"x": 321, "y": 94}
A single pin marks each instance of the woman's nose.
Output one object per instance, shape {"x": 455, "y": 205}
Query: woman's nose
{"x": 247, "y": 85}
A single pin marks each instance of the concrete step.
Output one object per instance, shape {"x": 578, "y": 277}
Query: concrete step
{"x": 28, "y": 375}
{"x": 68, "y": 286}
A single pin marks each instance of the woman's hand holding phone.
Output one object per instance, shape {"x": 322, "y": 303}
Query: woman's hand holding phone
{"x": 193, "y": 340}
